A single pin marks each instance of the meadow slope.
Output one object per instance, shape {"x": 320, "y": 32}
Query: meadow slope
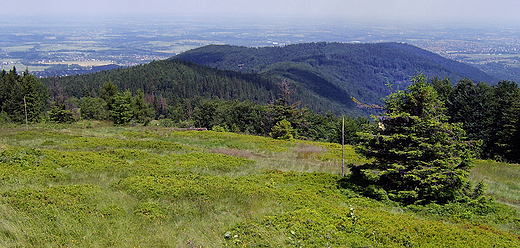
{"x": 93, "y": 185}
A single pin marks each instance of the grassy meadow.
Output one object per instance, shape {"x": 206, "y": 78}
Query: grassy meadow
{"x": 90, "y": 184}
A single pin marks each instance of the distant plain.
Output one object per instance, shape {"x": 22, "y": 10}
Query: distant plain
{"x": 39, "y": 45}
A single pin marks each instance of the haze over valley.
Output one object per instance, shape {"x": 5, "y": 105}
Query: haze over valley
{"x": 75, "y": 45}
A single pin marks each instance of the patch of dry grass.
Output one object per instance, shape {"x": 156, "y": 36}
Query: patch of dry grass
{"x": 233, "y": 152}
{"x": 309, "y": 151}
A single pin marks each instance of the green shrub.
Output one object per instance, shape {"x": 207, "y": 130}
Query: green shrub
{"x": 98, "y": 143}
{"x": 27, "y": 166}
{"x": 218, "y": 128}
{"x": 283, "y": 130}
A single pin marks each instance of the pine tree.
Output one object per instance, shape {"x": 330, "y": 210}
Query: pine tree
{"x": 60, "y": 114}
{"x": 122, "y": 110}
{"x": 108, "y": 92}
{"x": 143, "y": 111}
{"x": 504, "y": 144}
{"x": 282, "y": 130}
{"x": 284, "y": 108}
{"x": 93, "y": 108}
{"x": 417, "y": 156}
{"x": 35, "y": 93}
{"x": 473, "y": 105}
{"x": 14, "y": 88}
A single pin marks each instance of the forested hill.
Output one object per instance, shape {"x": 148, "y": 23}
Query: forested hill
{"x": 172, "y": 80}
{"x": 325, "y": 75}
{"x": 328, "y": 74}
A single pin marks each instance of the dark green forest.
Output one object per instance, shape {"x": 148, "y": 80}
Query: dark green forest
{"x": 488, "y": 113}
{"x": 327, "y": 75}
{"x": 22, "y": 97}
{"x": 171, "y": 80}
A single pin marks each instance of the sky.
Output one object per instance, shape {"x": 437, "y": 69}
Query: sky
{"x": 403, "y": 10}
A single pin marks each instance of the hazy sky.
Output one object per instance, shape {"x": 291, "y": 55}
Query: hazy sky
{"x": 453, "y": 10}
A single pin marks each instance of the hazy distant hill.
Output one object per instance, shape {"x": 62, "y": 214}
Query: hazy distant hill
{"x": 327, "y": 74}
{"x": 66, "y": 70}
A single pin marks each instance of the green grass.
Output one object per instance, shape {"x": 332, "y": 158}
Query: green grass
{"x": 502, "y": 180}
{"x": 91, "y": 184}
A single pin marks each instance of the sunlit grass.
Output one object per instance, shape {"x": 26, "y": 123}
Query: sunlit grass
{"x": 502, "y": 180}
{"x": 91, "y": 184}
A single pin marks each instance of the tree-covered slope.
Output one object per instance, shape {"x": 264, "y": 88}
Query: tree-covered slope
{"x": 328, "y": 74}
{"x": 325, "y": 75}
{"x": 173, "y": 80}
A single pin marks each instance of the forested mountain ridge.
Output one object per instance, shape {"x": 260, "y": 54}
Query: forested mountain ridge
{"x": 324, "y": 75}
{"x": 172, "y": 80}
{"x": 328, "y": 74}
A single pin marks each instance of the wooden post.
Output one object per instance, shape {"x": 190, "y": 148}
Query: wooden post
{"x": 25, "y": 107}
{"x": 343, "y": 147}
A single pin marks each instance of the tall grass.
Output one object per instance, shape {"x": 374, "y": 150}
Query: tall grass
{"x": 502, "y": 180}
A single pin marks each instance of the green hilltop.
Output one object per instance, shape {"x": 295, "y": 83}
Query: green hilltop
{"x": 327, "y": 75}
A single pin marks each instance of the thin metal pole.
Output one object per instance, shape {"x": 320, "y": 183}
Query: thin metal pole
{"x": 25, "y": 107}
{"x": 343, "y": 148}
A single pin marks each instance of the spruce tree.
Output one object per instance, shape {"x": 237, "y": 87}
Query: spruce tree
{"x": 417, "y": 156}
{"x": 108, "y": 92}
{"x": 143, "y": 111}
{"x": 36, "y": 96}
{"x": 14, "y": 88}
{"x": 122, "y": 110}
{"x": 284, "y": 108}
{"x": 504, "y": 143}
{"x": 473, "y": 105}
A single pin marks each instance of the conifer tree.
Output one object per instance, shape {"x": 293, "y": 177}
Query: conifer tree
{"x": 108, "y": 92}
{"x": 417, "y": 156}
{"x": 93, "y": 108}
{"x": 122, "y": 110}
{"x": 472, "y": 105}
{"x": 35, "y": 93}
{"x": 143, "y": 111}
{"x": 14, "y": 88}
{"x": 284, "y": 108}
{"x": 11, "y": 96}
{"x": 504, "y": 143}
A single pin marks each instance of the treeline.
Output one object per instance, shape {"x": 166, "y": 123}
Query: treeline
{"x": 488, "y": 113}
{"x": 282, "y": 119}
{"x": 120, "y": 107}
